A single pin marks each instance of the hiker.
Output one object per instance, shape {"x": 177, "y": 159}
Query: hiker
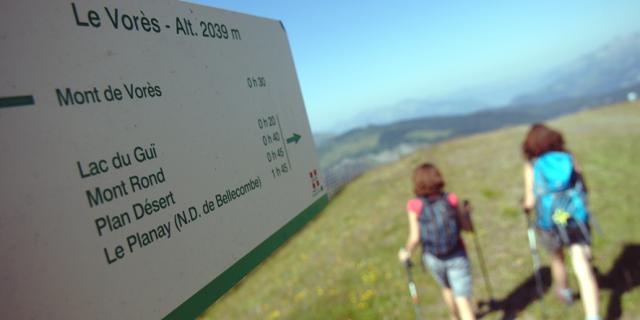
{"x": 435, "y": 222}
{"x": 555, "y": 188}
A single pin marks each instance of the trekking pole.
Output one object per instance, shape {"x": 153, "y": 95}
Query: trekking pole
{"x": 533, "y": 247}
{"x": 412, "y": 289}
{"x": 483, "y": 266}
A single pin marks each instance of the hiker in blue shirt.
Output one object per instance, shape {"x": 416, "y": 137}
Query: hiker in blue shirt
{"x": 554, "y": 187}
{"x": 435, "y": 222}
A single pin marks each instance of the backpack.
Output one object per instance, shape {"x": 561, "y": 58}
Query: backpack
{"x": 561, "y": 201}
{"x": 439, "y": 231}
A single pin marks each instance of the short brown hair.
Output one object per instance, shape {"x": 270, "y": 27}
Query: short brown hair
{"x": 427, "y": 180}
{"x": 541, "y": 139}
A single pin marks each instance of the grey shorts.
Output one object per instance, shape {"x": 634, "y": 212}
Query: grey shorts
{"x": 453, "y": 272}
{"x": 552, "y": 242}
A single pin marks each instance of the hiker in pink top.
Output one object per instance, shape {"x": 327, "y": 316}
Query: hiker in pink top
{"x": 435, "y": 222}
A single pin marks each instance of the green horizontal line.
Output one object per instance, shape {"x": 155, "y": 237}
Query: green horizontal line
{"x": 17, "y": 101}
{"x": 201, "y": 300}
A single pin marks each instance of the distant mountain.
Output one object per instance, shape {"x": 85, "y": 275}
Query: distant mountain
{"x": 371, "y": 140}
{"x": 411, "y": 109}
{"x": 607, "y": 69}
{"x": 348, "y": 155}
{"x": 486, "y": 120}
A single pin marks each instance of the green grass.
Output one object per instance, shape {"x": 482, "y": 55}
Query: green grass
{"x": 343, "y": 265}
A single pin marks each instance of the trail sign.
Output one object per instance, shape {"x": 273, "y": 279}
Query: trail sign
{"x": 147, "y": 162}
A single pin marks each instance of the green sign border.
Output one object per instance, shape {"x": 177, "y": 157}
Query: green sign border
{"x": 202, "y": 299}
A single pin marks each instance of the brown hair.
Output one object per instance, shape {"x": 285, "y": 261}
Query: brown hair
{"x": 541, "y": 139}
{"x": 427, "y": 180}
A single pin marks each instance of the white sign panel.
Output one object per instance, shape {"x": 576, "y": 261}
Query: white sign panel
{"x": 152, "y": 152}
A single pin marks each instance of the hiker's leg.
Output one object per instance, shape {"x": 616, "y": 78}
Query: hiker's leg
{"x": 558, "y": 270}
{"x": 459, "y": 275}
{"x": 586, "y": 279}
{"x": 465, "y": 310}
{"x": 553, "y": 245}
{"x": 438, "y": 271}
{"x": 447, "y": 295}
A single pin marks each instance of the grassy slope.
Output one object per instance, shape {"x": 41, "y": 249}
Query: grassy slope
{"x": 343, "y": 265}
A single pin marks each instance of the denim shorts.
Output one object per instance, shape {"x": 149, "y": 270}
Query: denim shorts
{"x": 452, "y": 271}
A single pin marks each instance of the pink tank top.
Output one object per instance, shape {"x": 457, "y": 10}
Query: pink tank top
{"x": 415, "y": 205}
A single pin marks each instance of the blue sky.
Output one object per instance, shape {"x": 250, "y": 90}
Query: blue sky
{"x": 353, "y": 56}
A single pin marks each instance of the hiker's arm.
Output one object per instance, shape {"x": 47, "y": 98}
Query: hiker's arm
{"x": 529, "y": 201}
{"x": 413, "y": 239}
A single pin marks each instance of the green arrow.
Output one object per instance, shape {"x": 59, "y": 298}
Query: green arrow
{"x": 294, "y": 138}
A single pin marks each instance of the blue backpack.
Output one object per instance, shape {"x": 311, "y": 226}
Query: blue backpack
{"x": 560, "y": 197}
{"x": 439, "y": 232}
